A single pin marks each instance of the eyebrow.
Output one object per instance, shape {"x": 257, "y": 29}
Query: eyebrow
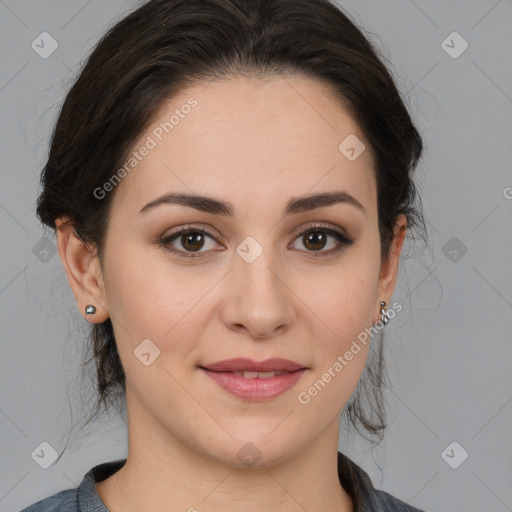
{"x": 295, "y": 204}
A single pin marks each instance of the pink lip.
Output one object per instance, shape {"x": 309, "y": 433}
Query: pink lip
{"x": 254, "y": 389}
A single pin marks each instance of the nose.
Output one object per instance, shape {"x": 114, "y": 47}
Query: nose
{"x": 258, "y": 301}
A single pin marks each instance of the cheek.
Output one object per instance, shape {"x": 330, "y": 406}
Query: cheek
{"x": 339, "y": 302}
{"x": 339, "y": 361}
{"x": 141, "y": 298}
{"x": 152, "y": 299}
{"x": 338, "y": 309}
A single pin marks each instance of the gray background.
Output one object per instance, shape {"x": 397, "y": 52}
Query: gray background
{"x": 449, "y": 352}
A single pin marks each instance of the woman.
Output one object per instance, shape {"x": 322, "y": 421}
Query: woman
{"x": 230, "y": 185}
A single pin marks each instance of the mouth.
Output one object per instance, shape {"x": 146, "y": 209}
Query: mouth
{"x": 255, "y": 384}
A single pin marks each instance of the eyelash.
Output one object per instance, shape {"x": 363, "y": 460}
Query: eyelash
{"x": 342, "y": 240}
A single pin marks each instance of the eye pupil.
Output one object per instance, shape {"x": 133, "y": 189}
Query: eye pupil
{"x": 315, "y": 237}
{"x": 194, "y": 238}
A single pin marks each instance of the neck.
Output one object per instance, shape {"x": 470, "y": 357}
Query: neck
{"x": 168, "y": 475}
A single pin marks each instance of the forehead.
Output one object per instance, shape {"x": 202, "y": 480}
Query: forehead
{"x": 250, "y": 141}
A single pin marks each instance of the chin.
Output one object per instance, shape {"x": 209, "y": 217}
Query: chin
{"x": 260, "y": 452}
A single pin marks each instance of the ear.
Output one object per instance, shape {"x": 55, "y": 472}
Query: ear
{"x": 389, "y": 268}
{"x": 83, "y": 270}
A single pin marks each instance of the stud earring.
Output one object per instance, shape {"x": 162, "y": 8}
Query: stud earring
{"x": 90, "y": 309}
{"x": 384, "y": 315}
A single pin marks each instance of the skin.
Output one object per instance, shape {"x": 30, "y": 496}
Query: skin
{"x": 256, "y": 145}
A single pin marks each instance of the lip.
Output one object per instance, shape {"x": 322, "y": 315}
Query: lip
{"x": 250, "y": 365}
{"x": 255, "y": 388}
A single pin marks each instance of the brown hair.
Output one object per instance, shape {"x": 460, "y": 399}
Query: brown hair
{"x": 165, "y": 45}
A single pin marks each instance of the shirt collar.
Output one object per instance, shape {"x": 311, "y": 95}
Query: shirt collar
{"x": 353, "y": 479}
{"x": 357, "y": 484}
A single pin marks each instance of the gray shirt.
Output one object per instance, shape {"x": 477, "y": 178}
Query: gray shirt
{"x": 353, "y": 479}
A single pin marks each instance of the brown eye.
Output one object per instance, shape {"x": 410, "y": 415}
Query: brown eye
{"x": 315, "y": 239}
{"x": 192, "y": 241}
{"x": 187, "y": 241}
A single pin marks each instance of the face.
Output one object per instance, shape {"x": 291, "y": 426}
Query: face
{"x": 262, "y": 276}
